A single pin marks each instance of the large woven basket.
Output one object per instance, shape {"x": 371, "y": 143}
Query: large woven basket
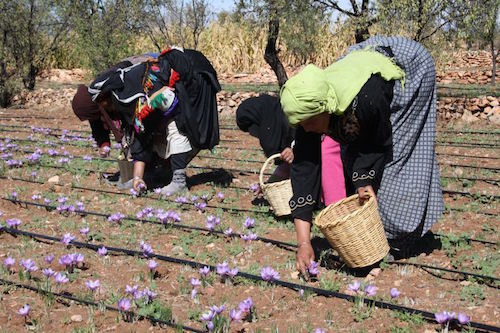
{"x": 354, "y": 231}
{"x": 278, "y": 194}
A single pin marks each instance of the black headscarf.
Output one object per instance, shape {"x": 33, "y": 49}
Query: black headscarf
{"x": 264, "y": 118}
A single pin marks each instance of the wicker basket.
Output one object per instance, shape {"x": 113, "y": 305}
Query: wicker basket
{"x": 278, "y": 194}
{"x": 354, "y": 231}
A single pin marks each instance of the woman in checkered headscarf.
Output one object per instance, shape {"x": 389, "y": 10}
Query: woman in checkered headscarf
{"x": 379, "y": 102}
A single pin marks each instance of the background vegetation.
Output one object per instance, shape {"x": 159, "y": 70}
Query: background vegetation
{"x": 94, "y": 34}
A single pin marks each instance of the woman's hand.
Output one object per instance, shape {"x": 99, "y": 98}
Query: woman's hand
{"x": 287, "y": 155}
{"x": 305, "y": 254}
{"x": 365, "y": 193}
{"x": 139, "y": 184}
{"x": 104, "y": 150}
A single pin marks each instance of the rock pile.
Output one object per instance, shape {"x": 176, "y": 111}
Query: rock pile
{"x": 470, "y": 109}
{"x": 468, "y": 67}
{"x": 43, "y": 98}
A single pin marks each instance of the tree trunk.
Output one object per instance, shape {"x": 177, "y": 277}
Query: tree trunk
{"x": 361, "y": 34}
{"x": 494, "y": 61}
{"x": 271, "y": 54}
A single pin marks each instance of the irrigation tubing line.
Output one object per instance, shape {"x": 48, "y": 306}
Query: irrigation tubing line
{"x": 469, "y": 156}
{"x": 166, "y": 225}
{"x": 471, "y": 178}
{"x": 256, "y": 211}
{"x": 97, "y": 305}
{"x": 470, "y": 132}
{"x": 289, "y": 285}
{"x": 468, "y": 211}
{"x": 280, "y": 244}
{"x": 468, "y": 194}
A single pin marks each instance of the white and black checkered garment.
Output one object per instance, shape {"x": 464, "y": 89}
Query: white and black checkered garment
{"x": 410, "y": 197}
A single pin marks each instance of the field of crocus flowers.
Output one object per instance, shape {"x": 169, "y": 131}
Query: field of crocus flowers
{"x": 78, "y": 255}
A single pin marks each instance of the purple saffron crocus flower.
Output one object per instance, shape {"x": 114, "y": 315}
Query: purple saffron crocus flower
{"x": 124, "y": 304}
{"x": 117, "y": 217}
{"x": 194, "y": 198}
{"x": 36, "y": 197}
{"x": 62, "y": 200}
{"x": 235, "y": 315}
{"x": 48, "y": 259}
{"x": 146, "y": 249}
{"x": 134, "y": 193}
{"x": 354, "y": 286}
{"x": 208, "y": 316}
{"x": 220, "y": 197}
{"x": 13, "y": 194}
{"x": 181, "y": 200}
{"x": 249, "y": 223}
{"x": 246, "y": 305}
{"x": 255, "y": 187}
{"x": 232, "y": 272}
{"x": 370, "y": 290}
{"x": 251, "y": 236}
{"x": 301, "y": 293}
{"x": 102, "y": 251}
{"x": 195, "y": 282}
{"x": 313, "y": 268}
{"x": 13, "y": 223}
{"x": 205, "y": 197}
{"x": 319, "y": 330}
{"x": 149, "y": 294}
{"x": 47, "y": 201}
{"x": 33, "y": 174}
{"x": 131, "y": 290}
{"x": 29, "y": 265}
{"x": 48, "y": 272}
{"x": 61, "y": 278}
{"x": 24, "y": 311}
{"x": 204, "y": 271}
{"x": 213, "y": 220}
{"x": 210, "y": 326}
{"x": 222, "y": 268}
{"x": 441, "y": 317}
{"x": 463, "y": 319}
{"x": 201, "y": 206}
{"x": 269, "y": 274}
{"x": 87, "y": 158}
{"x": 194, "y": 292}
{"x": 218, "y": 309}
{"x": 67, "y": 238}
{"x": 394, "y": 293}
{"x": 9, "y": 262}
{"x": 93, "y": 285}
{"x": 152, "y": 265}
{"x": 228, "y": 232}
{"x": 85, "y": 231}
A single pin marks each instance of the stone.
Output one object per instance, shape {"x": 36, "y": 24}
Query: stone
{"x": 294, "y": 275}
{"x": 53, "y": 180}
{"x": 76, "y": 318}
{"x": 495, "y": 119}
{"x": 494, "y": 103}
{"x": 468, "y": 117}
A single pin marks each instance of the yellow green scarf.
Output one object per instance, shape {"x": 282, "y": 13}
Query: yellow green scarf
{"x": 314, "y": 90}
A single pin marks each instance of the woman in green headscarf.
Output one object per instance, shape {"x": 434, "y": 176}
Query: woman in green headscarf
{"x": 379, "y": 102}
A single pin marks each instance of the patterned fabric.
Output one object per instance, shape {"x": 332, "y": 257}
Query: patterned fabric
{"x": 410, "y": 197}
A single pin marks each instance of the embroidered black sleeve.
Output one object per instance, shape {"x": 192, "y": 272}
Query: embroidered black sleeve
{"x": 305, "y": 174}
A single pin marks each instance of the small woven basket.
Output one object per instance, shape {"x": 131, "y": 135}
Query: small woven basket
{"x": 354, "y": 231}
{"x": 278, "y": 194}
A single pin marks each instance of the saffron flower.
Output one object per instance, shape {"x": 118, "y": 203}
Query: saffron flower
{"x": 441, "y": 317}
{"x": 9, "y": 262}
{"x": 13, "y": 223}
{"x": 394, "y": 293}
{"x": 204, "y": 271}
{"x": 220, "y": 197}
{"x": 24, "y": 311}
{"x": 232, "y": 272}
{"x": 208, "y": 316}
{"x": 218, "y": 309}
{"x": 235, "y": 315}
{"x": 463, "y": 319}
{"x": 319, "y": 330}
{"x": 194, "y": 198}
{"x": 146, "y": 249}
{"x": 228, "y": 232}
{"x": 48, "y": 259}
{"x": 13, "y": 194}
{"x": 48, "y": 272}
{"x": 255, "y": 188}
{"x": 370, "y": 290}
{"x": 181, "y": 200}
{"x": 87, "y": 158}
{"x": 354, "y": 286}
{"x": 201, "y": 206}
{"x": 313, "y": 268}
{"x": 152, "y": 265}
{"x": 249, "y": 223}
{"x": 134, "y": 193}
{"x": 210, "y": 326}
{"x": 131, "y": 290}
{"x": 62, "y": 200}
{"x": 195, "y": 282}
{"x": 301, "y": 293}
{"x": 269, "y": 274}
{"x": 148, "y": 294}
{"x": 29, "y": 265}
{"x": 222, "y": 268}
{"x": 194, "y": 292}
{"x": 93, "y": 285}
{"x": 102, "y": 251}
{"x": 67, "y": 238}
{"x": 249, "y": 237}
{"x": 124, "y": 304}
{"x": 117, "y": 217}
{"x": 205, "y": 197}
{"x": 157, "y": 190}
{"x": 246, "y": 305}
{"x": 85, "y": 230}
{"x": 36, "y": 197}
{"x": 61, "y": 278}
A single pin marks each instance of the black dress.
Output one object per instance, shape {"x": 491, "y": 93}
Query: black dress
{"x": 365, "y": 134}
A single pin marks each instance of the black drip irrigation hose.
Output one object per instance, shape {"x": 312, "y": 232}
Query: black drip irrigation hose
{"x": 289, "y": 285}
{"x": 469, "y": 132}
{"x": 169, "y": 225}
{"x": 280, "y": 244}
{"x": 183, "y": 208}
{"x": 130, "y": 314}
{"x": 468, "y": 194}
{"x": 457, "y": 165}
{"x": 468, "y": 156}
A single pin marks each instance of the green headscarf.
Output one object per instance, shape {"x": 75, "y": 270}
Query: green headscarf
{"x": 314, "y": 91}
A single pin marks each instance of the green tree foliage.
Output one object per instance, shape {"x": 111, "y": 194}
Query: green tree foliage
{"x": 31, "y": 32}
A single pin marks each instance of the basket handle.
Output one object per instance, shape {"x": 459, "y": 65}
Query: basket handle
{"x": 264, "y": 166}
